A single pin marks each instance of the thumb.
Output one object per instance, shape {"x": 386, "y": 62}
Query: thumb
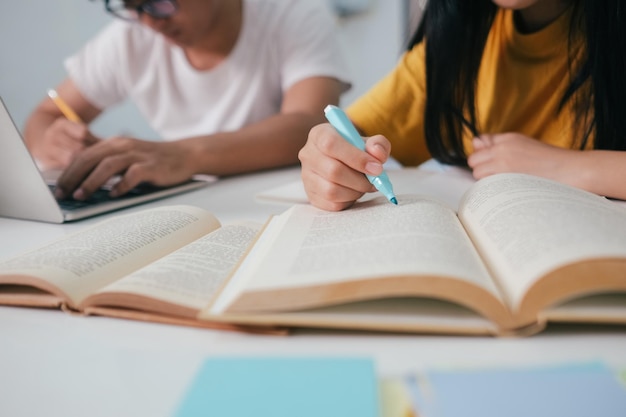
{"x": 379, "y": 147}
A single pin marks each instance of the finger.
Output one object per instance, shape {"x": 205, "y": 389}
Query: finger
{"x": 73, "y": 175}
{"x": 327, "y": 195}
{"x": 80, "y": 135}
{"x": 331, "y": 171}
{"x": 61, "y": 137}
{"x": 379, "y": 147}
{"x": 73, "y": 129}
{"x": 482, "y": 171}
{"x": 478, "y": 158}
{"x": 478, "y": 144}
{"x": 330, "y": 143}
{"x": 349, "y": 189}
{"x": 336, "y": 172}
{"x": 482, "y": 163}
{"x": 487, "y": 140}
{"x": 64, "y": 150}
{"x": 103, "y": 172}
{"x": 134, "y": 175}
{"x": 91, "y": 139}
{"x": 68, "y": 132}
{"x": 87, "y": 160}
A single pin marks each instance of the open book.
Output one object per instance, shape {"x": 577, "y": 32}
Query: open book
{"x": 521, "y": 252}
{"x": 163, "y": 264}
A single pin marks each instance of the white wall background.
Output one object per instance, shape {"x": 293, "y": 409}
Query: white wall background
{"x": 36, "y": 35}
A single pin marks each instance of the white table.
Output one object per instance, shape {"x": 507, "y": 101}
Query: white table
{"x": 56, "y": 364}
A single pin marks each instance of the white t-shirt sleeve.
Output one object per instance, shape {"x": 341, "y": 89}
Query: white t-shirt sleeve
{"x": 310, "y": 45}
{"x": 98, "y": 68}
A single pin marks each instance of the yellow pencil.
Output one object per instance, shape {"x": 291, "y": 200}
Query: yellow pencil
{"x": 63, "y": 106}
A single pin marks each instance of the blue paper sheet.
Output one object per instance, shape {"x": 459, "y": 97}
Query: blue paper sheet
{"x": 578, "y": 390}
{"x": 281, "y": 387}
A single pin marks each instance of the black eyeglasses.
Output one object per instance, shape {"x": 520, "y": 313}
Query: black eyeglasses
{"x": 131, "y": 10}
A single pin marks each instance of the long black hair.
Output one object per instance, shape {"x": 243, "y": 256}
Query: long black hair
{"x": 456, "y": 32}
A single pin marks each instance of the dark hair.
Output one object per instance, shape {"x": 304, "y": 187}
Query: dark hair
{"x": 456, "y": 33}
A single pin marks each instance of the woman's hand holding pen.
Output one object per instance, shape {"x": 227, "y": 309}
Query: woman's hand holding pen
{"x": 333, "y": 169}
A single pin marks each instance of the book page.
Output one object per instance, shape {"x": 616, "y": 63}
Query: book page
{"x": 86, "y": 261}
{"x": 527, "y": 226}
{"x": 413, "y": 315}
{"x": 600, "y": 308}
{"x": 373, "y": 240}
{"x": 191, "y": 275}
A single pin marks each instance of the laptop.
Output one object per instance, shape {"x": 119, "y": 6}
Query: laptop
{"x": 26, "y": 194}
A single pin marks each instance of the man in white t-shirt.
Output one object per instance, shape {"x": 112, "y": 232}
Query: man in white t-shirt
{"x": 231, "y": 86}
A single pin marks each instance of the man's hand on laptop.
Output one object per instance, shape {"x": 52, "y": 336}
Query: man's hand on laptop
{"x": 135, "y": 161}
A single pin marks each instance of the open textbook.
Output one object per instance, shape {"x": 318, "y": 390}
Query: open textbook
{"x": 521, "y": 252}
{"x": 161, "y": 264}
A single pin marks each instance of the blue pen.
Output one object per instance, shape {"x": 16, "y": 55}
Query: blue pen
{"x": 346, "y": 129}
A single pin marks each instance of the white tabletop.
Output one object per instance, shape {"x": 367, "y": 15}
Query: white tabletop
{"x": 56, "y": 364}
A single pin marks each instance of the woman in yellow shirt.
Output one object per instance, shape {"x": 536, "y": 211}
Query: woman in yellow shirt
{"x": 529, "y": 86}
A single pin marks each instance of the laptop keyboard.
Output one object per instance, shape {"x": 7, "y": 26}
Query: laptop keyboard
{"x": 102, "y": 196}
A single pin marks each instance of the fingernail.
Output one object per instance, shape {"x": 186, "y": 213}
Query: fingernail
{"x": 373, "y": 168}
